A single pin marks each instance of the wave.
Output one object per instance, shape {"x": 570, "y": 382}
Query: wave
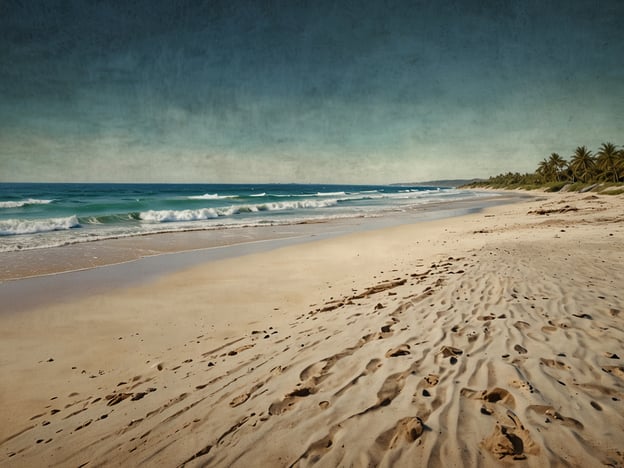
{"x": 21, "y": 203}
{"x": 80, "y": 236}
{"x": 258, "y": 195}
{"x": 330, "y": 194}
{"x": 290, "y": 195}
{"x": 211, "y": 196}
{"x": 294, "y": 205}
{"x": 110, "y": 218}
{"x": 166, "y": 216}
{"x": 11, "y": 227}
{"x": 203, "y": 214}
{"x": 363, "y": 196}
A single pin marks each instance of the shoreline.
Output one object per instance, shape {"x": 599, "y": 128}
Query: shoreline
{"x": 66, "y": 214}
{"x": 83, "y": 256}
{"x": 476, "y": 340}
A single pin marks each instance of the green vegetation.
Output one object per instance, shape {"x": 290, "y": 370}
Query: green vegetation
{"x": 584, "y": 169}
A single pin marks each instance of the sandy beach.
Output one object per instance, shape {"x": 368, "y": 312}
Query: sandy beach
{"x": 490, "y": 339}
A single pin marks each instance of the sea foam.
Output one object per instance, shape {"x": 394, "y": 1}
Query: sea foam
{"x": 11, "y": 227}
{"x": 20, "y": 203}
{"x": 167, "y": 216}
{"x": 210, "y": 196}
{"x": 108, "y": 212}
{"x": 330, "y": 194}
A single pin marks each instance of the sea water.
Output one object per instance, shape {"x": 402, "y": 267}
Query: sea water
{"x": 47, "y": 215}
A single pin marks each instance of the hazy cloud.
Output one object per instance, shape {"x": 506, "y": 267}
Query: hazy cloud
{"x": 279, "y": 91}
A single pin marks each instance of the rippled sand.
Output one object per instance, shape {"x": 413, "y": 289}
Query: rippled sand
{"x": 494, "y": 338}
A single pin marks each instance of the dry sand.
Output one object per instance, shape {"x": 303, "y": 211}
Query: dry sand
{"x": 492, "y": 339}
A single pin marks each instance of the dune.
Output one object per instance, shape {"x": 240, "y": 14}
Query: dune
{"x": 490, "y": 339}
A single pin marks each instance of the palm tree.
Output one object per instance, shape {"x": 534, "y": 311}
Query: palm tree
{"x": 545, "y": 170}
{"x": 582, "y": 164}
{"x": 608, "y": 160}
{"x": 558, "y": 164}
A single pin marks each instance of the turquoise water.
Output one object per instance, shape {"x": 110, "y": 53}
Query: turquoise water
{"x": 47, "y": 215}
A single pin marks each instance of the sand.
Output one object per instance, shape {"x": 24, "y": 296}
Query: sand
{"x": 491, "y": 339}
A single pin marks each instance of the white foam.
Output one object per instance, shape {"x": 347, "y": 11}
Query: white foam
{"x": 330, "y": 194}
{"x": 210, "y": 196}
{"x": 292, "y": 205}
{"x": 363, "y": 196}
{"x": 20, "y": 203}
{"x": 276, "y": 206}
{"x": 258, "y": 195}
{"x": 10, "y": 227}
{"x": 166, "y": 216}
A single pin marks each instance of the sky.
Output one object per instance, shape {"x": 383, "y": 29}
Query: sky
{"x": 310, "y": 92}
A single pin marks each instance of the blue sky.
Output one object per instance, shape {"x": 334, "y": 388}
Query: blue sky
{"x": 358, "y": 92}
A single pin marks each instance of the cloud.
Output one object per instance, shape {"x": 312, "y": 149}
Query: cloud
{"x": 281, "y": 92}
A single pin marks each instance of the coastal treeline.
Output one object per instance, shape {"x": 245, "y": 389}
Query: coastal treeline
{"x": 583, "y": 168}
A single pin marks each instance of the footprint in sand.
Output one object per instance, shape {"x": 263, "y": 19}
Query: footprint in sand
{"x": 495, "y": 395}
{"x": 234, "y": 352}
{"x": 552, "y": 415}
{"x": 520, "y": 349}
{"x": 451, "y": 352}
{"x": 486, "y": 318}
{"x": 319, "y": 448}
{"x": 614, "y": 370}
{"x": 372, "y": 367}
{"x": 406, "y": 430}
{"x": 276, "y": 370}
{"x": 239, "y": 400}
{"x": 555, "y": 364}
{"x": 138, "y": 396}
{"x": 390, "y": 389}
{"x": 402, "y": 350}
{"x": 117, "y": 398}
{"x": 289, "y": 400}
{"x": 431, "y": 380}
{"x": 521, "y": 324}
{"x": 510, "y": 441}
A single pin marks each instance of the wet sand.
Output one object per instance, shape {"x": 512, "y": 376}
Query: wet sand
{"x": 495, "y": 338}
{"x": 87, "y": 255}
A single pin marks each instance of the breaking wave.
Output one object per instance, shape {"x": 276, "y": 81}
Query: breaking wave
{"x": 11, "y": 227}
{"x": 330, "y": 194}
{"x": 166, "y": 216}
{"x": 21, "y": 203}
{"x": 211, "y": 196}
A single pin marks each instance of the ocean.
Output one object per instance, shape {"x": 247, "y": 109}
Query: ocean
{"x": 36, "y": 216}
